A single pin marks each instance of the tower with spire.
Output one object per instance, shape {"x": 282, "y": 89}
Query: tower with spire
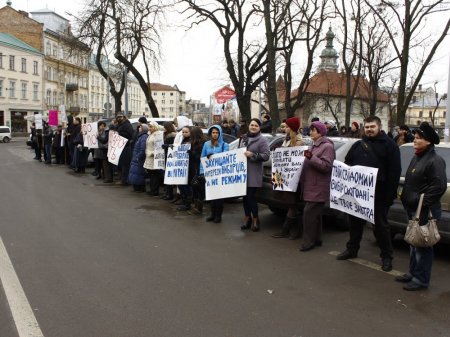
{"x": 329, "y": 54}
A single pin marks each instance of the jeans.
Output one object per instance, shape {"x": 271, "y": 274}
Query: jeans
{"x": 48, "y": 153}
{"x": 421, "y": 258}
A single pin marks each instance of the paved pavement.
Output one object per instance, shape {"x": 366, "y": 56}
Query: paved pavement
{"x": 96, "y": 260}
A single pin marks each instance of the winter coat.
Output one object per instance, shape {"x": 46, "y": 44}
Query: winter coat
{"x": 260, "y": 148}
{"x": 380, "y": 152}
{"x": 136, "y": 175}
{"x": 287, "y": 142}
{"x": 194, "y": 160}
{"x": 266, "y": 127}
{"x": 426, "y": 174}
{"x": 150, "y": 150}
{"x": 208, "y": 149}
{"x": 333, "y": 132}
{"x": 125, "y": 129}
{"x": 102, "y": 141}
{"x": 48, "y": 135}
{"x": 316, "y": 172}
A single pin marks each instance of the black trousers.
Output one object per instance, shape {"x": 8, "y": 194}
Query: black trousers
{"x": 124, "y": 163}
{"x": 381, "y": 229}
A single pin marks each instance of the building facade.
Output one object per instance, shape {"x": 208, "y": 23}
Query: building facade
{"x": 21, "y": 85}
{"x": 169, "y": 100}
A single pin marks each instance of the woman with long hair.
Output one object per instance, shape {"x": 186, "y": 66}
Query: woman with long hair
{"x": 168, "y": 136}
{"x": 198, "y": 191}
{"x": 185, "y": 190}
{"x": 136, "y": 174}
{"x": 150, "y": 151}
{"x": 257, "y": 152}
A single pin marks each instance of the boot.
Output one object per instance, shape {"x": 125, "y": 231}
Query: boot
{"x": 185, "y": 206}
{"x": 247, "y": 223}
{"x": 288, "y": 223}
{"x": 256, "y": 224}
{"x": 218, "y": 215}
{"x": 213, "y": 214}
{"x": 197, "y": 209}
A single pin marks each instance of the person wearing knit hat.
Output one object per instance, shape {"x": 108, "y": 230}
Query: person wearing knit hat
{"x": 426, "y": 174}
{"x": 291, "y": 225}
{"x": 332, "y": 129}
{"x": 355, "y": 132}
{"x": 315, "y": 184}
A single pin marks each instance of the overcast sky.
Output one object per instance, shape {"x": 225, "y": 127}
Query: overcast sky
{"x": 193, "y": 60}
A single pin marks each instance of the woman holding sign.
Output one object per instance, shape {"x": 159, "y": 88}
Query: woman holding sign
{"x": 257, "y": 152}
{"x": 315, "y": 184}
{"x": 214, "y": 145}
{"x": 150, "y": 150}
{"x": 290, "y": 198}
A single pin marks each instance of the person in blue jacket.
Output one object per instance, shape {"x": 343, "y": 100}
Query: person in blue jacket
{"x": 214, "y": 145}
{"x": 136, "y": 175}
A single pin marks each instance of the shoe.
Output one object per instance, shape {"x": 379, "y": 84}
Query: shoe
{"x": 183, "y": 208}
{"x": 255, "y": 225}
{"x": 177, "y": 197}
{"x": 94, "y": 174}
{"x": 403, "y": 278}
{"x": 107, "y": 181}
{"x": 247, "y": 223}
{"x": 386, "y": 265}
{"x": 212, "y": 215}
{"x": 167, "y": 197}
{"x": 345, "y": 255}
{"x": 283, "y": 234}
{"x": 98, "y": 177}
{"x": 306, "y": 248}
{"x": 318, "y": 243}
{"x": 413, "y": 286}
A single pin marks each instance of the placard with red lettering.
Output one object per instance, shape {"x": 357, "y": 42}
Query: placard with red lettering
{"x": 116, "y": 144}
{"x": 89, "y": 132}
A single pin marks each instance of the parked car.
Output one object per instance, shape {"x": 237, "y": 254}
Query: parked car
{"x": 5, "y": 134}
{"x": 265, "y": 194}
{"x": 226, "y": 137}
{"x": 397, "y": 216}
{"x": 235, "y": 143}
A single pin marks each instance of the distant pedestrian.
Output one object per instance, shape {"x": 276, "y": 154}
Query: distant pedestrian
{"x": 125, "y": 129}
{"x": 376, "y": 150}
{"x": 136, "y": 175}
{"x": 332, "y": 129}
{"x": 355, "y": 131}
{"x": 154, "y": 174}
{"x": 266, "y": 126}
{"x": 404, "y": 135}
{"x": 426, "y": 174}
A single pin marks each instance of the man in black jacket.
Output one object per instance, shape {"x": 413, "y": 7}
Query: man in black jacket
{"x": 125, "y": 129}
{"x": 377, "y": 150}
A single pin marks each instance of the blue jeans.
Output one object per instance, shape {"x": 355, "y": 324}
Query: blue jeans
{"x": 421, "y": 258}
{"x": 48, "y": 152}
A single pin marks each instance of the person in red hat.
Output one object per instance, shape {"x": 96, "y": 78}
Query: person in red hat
{"x": 290, "y": 198}
{"x": 355, "y": 131}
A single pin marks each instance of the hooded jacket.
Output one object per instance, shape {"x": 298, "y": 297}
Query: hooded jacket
{"x": 209, "y": 149}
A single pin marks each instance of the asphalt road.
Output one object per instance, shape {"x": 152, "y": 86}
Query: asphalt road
{"x": 96, "y": 260}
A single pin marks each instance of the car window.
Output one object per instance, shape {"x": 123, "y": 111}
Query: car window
{"x": 407, "y": 152}
{"x": 4, "y": 130}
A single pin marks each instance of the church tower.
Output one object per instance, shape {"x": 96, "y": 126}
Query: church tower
{"x": 329, "y": 55}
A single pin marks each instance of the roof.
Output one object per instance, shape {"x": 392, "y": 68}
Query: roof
{"x": 12, "y": 41}
{"x": 162, "y": 87}
{"x": 48, "y": 11}
{"x": 334, "y": 84}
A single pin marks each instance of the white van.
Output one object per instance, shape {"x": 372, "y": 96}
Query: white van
{"x": 5, "y": 134}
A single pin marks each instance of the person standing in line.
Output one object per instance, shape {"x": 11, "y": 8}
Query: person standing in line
{"x": 136, "y": 175}
{"x": 290, "y": 198}
{"x": 315, "y": 184}
{"x": 48, "y": 139}
{"x": 266, "y": 126}
{"x": 332, "y": 129}
{"x": 149, "y": 164}
{"x": 169, "y": 137}
{"x": 58, "y": 148}
{"x": 426, "y": 174}
{"x": 198, "y": 191}
{"x": 234, "y": 128}
{"x": 355, "y": 132}
{"x": 213, "y": 146}
{"x": 257, "y": 152}
{"x": 125, "y": 129}
{"x": 376, "y": 150}
{"x": 106, "y": 166}
{"x": 100, "y": 153}
{"x": 404, "y": 135}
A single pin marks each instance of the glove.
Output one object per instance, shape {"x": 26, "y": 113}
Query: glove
{"x": 79, "y": 146}
{"x": 209, "y": 155}
{"x": 307, "y": 154}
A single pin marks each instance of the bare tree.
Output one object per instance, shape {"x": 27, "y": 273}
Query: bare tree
{"x": 245, "y": 57}
{"x": 129, "y": 29}
{"x": 407, "y": 18}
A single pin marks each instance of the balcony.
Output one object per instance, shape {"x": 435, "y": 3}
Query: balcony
{"x": 71, "y": 86}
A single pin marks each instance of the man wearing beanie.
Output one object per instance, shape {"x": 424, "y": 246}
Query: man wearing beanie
{"x": 377, "y": 150}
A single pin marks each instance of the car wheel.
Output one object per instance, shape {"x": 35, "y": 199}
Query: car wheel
{"x": 6, "y": 140}
{"x": 278, "y": 211}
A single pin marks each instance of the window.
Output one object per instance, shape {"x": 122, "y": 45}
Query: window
{"x": 48, "y": 73}
{"x": 420, "y": 114}
{"x": 61, "y": 98}
{"x": 24, "y": 65}
{"x": 35, "y": 68}
{"x": 55, "y": 98}
{"x": 171, "y": 94}
{"x": 163, "y": 101}
{"x": 49, "y": 97}
{"x": 155, "y": 93}
{"x": 1, "y": 60}
{"x": 12, "y": 89}
{"x": 36, "y": 91}
{"x": 1, "y": 88}
{"x": 163, "y": 93}
{"x": 430, "y": 113}
{"x": 171, "y": 101}
{"x": 24, "y": 90}
{"x": 55, "y": 51}
{"x": 11, "y": 63}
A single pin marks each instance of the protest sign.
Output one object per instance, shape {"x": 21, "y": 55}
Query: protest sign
{"x": 63, "y": 115}
{"x": 116, "y": 143}
{"x": 89, "y": 132}
{"x": 225, "y": 174}
{"x": 159, "y": 161}
{"x": 287, "y": 165}
{"x": 38, "y": 121}
{"x": 352, "y": 190}
{"x": 177, "y": 165}
{"x": 53, "y": 117}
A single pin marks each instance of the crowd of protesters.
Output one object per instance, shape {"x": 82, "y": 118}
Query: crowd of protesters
{"x": 375, "y": 149}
